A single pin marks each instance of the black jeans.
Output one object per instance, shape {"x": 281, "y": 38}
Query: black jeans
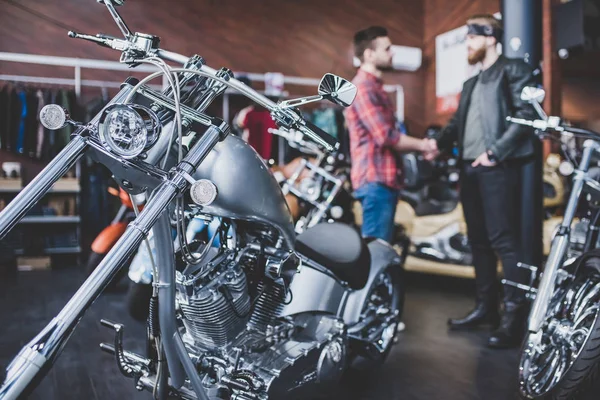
{"x": 490, "y": 200}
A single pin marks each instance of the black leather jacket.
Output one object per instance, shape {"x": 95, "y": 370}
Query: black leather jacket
{"x": 501, "y": 95}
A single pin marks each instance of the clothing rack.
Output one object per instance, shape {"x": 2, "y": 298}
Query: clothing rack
{"x": 82, "y": 63}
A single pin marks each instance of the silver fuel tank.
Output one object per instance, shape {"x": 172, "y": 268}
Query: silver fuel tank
{"x": 246, "y": 188}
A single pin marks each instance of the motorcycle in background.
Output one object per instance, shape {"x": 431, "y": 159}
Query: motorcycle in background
{"x": 430, "y": 230}
{"x": 319, "y": 183}
{"x": 560, "y": 355}
{"x": 107, "y": 238}
{"x": 268, "y": 313}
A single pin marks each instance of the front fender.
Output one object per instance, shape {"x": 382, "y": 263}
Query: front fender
{"x": 383, "y": 256}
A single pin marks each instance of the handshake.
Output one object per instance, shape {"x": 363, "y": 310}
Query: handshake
{"x": 429, "y": 149}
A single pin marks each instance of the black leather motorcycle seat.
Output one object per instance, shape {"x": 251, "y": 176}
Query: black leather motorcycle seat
{"x": 339, "y": 248}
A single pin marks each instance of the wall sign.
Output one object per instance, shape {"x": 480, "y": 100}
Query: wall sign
{"x": 451, "y": 68}
{"x": 274, "y": 83}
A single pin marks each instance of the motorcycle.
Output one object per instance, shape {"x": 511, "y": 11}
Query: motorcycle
{"x": 560, "y": 357}
{"x": 107, "y": 238}
{"x": 318, "y": 182}
{"x": 430, "y": 213}
{"x": 268, "y": 314}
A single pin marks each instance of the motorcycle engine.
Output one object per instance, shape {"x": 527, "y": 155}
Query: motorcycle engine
{"x": 215, "y": 305}
{"x": 243, "y": 347}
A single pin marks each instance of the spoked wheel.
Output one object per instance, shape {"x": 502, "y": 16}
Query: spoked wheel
{"x": 383, "y": 306}
{"x": 563, "y": 358}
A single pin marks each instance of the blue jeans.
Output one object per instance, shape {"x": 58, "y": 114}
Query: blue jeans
{"x": 379, "y": 207}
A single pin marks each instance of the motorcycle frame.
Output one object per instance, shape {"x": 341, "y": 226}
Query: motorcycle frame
{"x": 290, "y": 187}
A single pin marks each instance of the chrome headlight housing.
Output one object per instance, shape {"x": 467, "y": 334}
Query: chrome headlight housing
{"x": 128, "y": 129}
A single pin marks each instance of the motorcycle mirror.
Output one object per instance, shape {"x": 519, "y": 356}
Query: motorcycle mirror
{"x": 533, "y": 94}
{"x": 110, "y": 5}
{"x": 333, "y": 88}
{"x": 337, "y": 90}
{"x": 115, "y": 3}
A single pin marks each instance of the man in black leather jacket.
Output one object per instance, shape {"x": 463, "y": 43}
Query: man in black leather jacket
{"x": 491, "y": 151}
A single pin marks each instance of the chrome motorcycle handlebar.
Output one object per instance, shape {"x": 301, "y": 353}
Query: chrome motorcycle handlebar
{"x": 139, "y": 46}
{"x": 135, "y": 47}
{"x": 554, "y": 123}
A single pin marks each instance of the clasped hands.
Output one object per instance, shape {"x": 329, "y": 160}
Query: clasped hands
{"x": 429, "y": 149}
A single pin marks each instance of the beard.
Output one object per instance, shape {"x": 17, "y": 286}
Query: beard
{"x": 385, "y": 66}
{"x": 477, "y": 56}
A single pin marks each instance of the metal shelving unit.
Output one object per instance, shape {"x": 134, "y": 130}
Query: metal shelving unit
{"x": 51, "y": 219}
{"x": 43, "y": 225}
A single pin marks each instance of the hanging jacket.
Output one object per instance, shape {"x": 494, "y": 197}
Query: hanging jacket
{"x": 31, "y": 124}
{"x": 20, "y": 142}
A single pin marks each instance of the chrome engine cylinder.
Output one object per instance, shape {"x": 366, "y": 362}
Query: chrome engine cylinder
{"x": 268, "y": 306}
{"x": 215, "y": 311}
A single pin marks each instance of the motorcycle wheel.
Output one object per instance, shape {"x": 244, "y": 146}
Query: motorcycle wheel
{"x": 387, "y": 290}
{"x": 562, "y": 360}
{"x": 94, "y": 260}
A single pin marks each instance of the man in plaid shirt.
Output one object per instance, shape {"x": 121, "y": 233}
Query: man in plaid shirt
{"x": 375, "y": 141}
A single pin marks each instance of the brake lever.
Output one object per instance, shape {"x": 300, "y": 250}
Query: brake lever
{"x": 104, "y": 42}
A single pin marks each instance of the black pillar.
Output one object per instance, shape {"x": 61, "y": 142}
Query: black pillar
{"x": 522, "y": 22}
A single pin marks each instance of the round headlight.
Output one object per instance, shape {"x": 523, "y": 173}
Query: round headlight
{"x": 123, "y": 131}
{"x": 152, "y": 122}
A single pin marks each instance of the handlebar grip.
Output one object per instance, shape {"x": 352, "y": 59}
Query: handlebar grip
{"x": 326, "y": 140}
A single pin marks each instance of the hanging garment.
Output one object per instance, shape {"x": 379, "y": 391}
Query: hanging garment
{"x": 20, "y": 145}
{"x": 40, "y": 128}
{"x": 11, "y": 125}
{"x": 63, "y": 135}
{"x": 332, "y": 121}
{"x": 3, "y": 116}
{"x": 31, "y": 124}
{"x": 256, "y": 124}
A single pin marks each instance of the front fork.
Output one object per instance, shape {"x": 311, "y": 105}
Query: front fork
{"x": 560, "y": 245}
{"x": 37, "y": 357}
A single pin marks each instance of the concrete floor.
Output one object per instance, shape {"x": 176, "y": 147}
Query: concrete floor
{"x": 428, "y": 362}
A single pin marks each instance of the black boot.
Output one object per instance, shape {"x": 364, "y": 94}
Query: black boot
{"x": 485, "y": 313}
{"x": 512, "y": 326}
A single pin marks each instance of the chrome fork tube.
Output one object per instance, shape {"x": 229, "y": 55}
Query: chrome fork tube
{"x": 37, "y": 356}
{"x": 560, "y": 243}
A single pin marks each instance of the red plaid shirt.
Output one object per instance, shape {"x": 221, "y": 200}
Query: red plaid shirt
{"x": 373, "y": 134}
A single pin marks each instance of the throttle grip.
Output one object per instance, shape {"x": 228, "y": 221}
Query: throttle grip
{"x": 326, "y": 140}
